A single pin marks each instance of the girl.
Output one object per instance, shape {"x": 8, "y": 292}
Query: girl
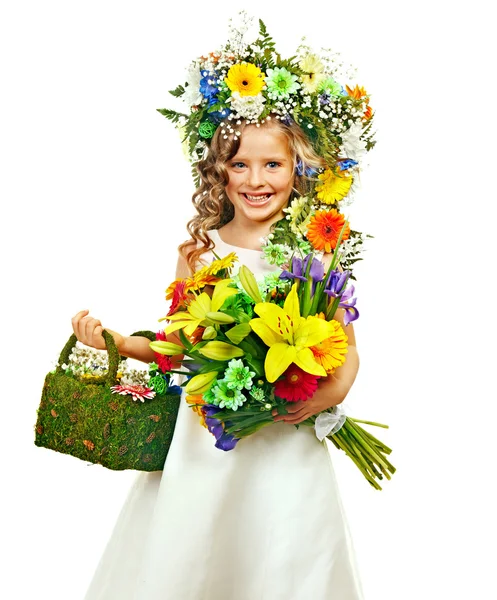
{"x": 263, "y": 521}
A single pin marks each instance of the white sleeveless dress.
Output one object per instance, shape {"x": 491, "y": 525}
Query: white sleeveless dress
{"x": 263, "y": 521}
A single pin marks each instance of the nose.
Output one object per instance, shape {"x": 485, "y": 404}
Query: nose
{"x": 255, "y": 177}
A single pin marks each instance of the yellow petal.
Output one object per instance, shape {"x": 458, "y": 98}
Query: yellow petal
{"x": 178, "y": 325}
{"x": 200, "y": 306}
{"x": 182, "y": 315}
{"x": 292, "y": 305}
{"x": 305, "y": 360}
{"x": 267, "y": 335}
{"x": 221, "y": 292}
{"x": 278, "y": 359}
{"x": 276, "y": 318}
{"x": 311, "y": 331}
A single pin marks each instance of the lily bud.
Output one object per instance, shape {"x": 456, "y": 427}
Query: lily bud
{"x": 219, "y": 317}
{"x": 220, "y": 351}
{"x": 167, "y": 348}
{"x": 209, "y": 333}
{"x": 200, "y": 383}
{"x": 249, "y": 283}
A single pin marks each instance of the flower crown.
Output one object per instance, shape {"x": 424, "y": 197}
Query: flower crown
{"x": 250, "y": 81}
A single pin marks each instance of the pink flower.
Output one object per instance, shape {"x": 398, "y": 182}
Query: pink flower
{"x": 139, "y": 392}
{"x": 296, "y": 384}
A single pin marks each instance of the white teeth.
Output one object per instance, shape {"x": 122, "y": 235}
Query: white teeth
{"x": 257, "y": 198}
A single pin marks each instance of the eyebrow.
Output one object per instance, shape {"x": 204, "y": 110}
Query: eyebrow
{"x": 268, "y": 159}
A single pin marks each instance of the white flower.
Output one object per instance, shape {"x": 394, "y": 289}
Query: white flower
{"x": 247, "y": 107}
{"x": 192, "y": 95}
{"x": 352, "y": 145}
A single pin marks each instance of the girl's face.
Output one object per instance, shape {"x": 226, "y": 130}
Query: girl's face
{"x": 261, "y": 175}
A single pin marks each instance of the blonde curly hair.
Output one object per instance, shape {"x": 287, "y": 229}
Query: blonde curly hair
{"x": 214, "y": 209}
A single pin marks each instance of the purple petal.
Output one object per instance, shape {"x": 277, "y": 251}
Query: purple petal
{"x": 226, "y": 442}
{"x": 215, "y": 427}
{"x": 288, "y": 275}
{"x": 351, "y": 314}
{"x": 297, "y": 266}
{"x": 317, "y": 270}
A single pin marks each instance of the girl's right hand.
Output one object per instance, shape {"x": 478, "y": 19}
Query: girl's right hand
{"x": 89, "y": 331}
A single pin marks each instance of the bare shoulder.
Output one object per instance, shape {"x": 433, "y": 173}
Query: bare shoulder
{"x": 326, "y": 260}
{"x": 182, "y": 269}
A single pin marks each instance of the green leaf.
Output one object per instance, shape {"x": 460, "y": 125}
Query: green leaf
{"x": 177, "y": 92}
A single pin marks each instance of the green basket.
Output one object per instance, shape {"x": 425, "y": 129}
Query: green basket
{"x": 88, "y": 421}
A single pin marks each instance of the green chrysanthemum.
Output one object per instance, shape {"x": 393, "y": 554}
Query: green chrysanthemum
{"x": 237, "y": 376}
{"x": 257, "y": 393}
{"x": 226, "y": 397}
{"x": 330, "y": 86}
{"x": 275, "y": 254}
{"x": 281, "y": 83}
{"x": 271, "y": 280}
{"x": 305, "y": 247}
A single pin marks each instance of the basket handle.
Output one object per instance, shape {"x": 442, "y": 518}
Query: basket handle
{"x": 114, "y": 357}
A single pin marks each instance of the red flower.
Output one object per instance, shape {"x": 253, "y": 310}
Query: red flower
{"x": 178, "y": 297}
{"x": 296, "y": 384}
{"x": 163, "y": 361}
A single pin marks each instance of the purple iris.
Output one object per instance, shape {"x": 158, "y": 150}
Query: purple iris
{"x": 336, "y": 282}
{"x": 348, "y": 303}
{"x": 299, "y": 267}
{"x": 224, "y": 441}
{"x": 335, "y": 288}
{"x": 208, "y": 87}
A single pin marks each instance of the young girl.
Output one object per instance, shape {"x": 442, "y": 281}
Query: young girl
{"x": 264, "y": 521}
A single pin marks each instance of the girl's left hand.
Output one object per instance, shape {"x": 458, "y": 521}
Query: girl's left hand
{"x": 331, "y": 391}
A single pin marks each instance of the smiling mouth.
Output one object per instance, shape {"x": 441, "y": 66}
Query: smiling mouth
{"x": 259, "y": 198}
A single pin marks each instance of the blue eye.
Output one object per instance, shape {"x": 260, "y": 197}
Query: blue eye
{"x": 237, "y": 165}
{"x": 273, "y": 164}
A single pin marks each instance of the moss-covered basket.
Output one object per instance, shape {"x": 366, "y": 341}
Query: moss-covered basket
{"x": 88, "y": 421}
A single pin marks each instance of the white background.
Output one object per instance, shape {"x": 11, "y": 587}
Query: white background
{"x": 95, "y": 196}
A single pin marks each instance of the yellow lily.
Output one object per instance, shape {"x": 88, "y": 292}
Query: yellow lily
{"x": 289, "y": 336}
{"x": 203, "y": 310}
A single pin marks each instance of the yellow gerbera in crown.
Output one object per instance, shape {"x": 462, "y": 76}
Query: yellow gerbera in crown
{"x": 333, "y": 187}
{"x": 246, "y": 79}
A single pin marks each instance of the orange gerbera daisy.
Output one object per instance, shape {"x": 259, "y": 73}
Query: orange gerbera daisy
{"x": 197, "y": 399}
{"x": 330, "y": 353}
{"x": 324, "y": 229}
{"x": 358, "y": 93}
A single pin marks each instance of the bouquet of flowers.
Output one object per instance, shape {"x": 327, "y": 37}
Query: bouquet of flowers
{"x": 251, "y": 347}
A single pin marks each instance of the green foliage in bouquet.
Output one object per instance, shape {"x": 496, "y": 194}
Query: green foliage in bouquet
{"x": 84, "y": 418}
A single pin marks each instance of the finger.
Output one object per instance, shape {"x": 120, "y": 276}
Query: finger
{"x": 296, "y": 420}
{"x": 90, "y": 327}
{"x": 292, "y": 417}
{"x": 76, "y": 319}
{"x": 295, "y": 407}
